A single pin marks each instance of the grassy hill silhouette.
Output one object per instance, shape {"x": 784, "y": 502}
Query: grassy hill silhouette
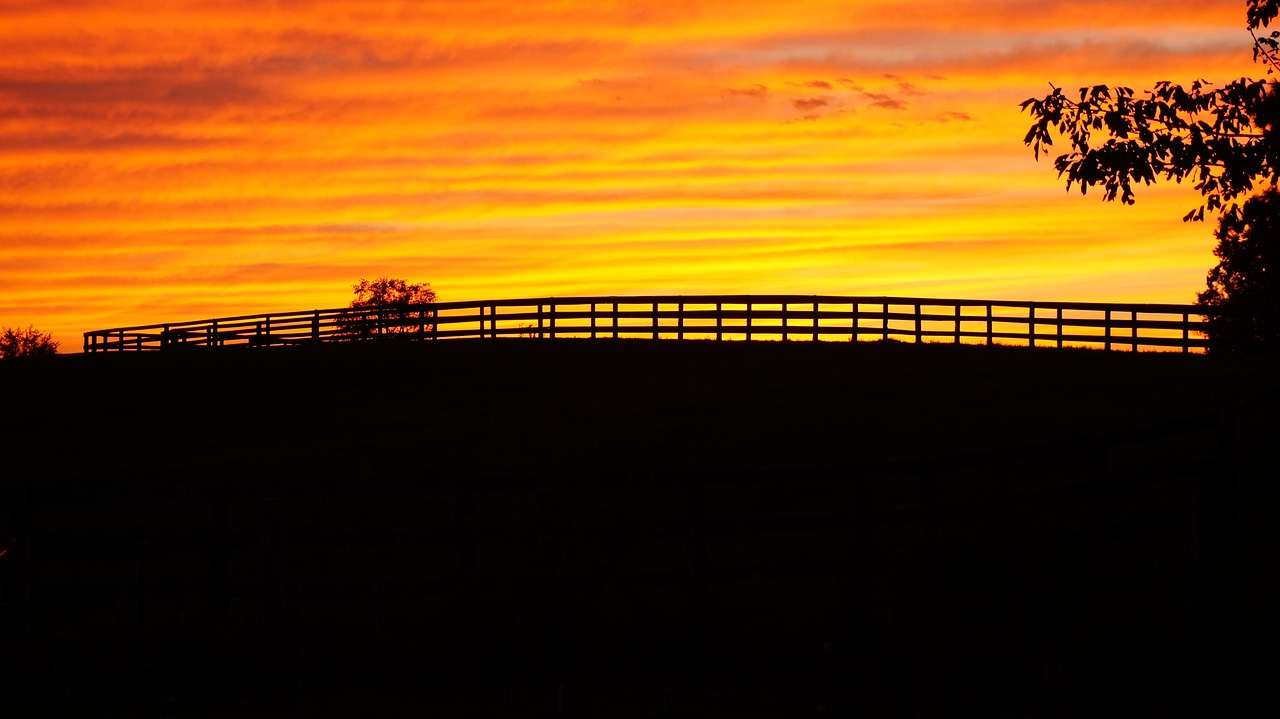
{"x": 565, "y": 406}
{"x": 525, "y": 527}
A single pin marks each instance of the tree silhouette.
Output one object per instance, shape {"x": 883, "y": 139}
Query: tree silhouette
{"x": 31, "y": 342}
{"x": 387, "y": 307}
{"x": 1243, "y": 294}
{"x": 1224, "y": 140}
{"x": 1221, "y": 139}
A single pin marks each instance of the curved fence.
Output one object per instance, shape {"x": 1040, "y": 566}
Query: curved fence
{"x": 733, "y": 317}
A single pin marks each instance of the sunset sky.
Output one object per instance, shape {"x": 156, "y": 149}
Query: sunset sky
{"x": 182, "y": 160}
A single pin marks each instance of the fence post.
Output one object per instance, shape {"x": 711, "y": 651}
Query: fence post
{"x": 1186, "y": 332}
{"x": 539, "y": 320}
{"x": 1031, "y": 324}
{"x": 615, "y": 319}
{"x": 853, "y": 322}
{"x": 1107, "y": 334}
{"x": 990, "y": 336}
{"x": 784, "y": 321}
{"x": 919, "y": 336}
{"x": 1133, "y": 332}
{"x": 552, "y": 328}
{"x": 884, "y": 321}
{"x": 1059, "y": 328}
{"x": 957, "y": 323}
{"x": 748, "y": 321}
{"x": 435, "y": 323}
{"x": 655, "y": 320}
{"x": 719, "y": 321}
{"x": 593, "y": 320}
{"x": 164, "y": 337}
{"x": 680, "y": 321}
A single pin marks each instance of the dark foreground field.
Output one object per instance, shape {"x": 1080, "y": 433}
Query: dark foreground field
{"x": 634, "y": 528}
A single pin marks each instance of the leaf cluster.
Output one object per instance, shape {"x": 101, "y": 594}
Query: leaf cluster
{"x": 29, "y": 342}
{"x": 1219, "y": 138}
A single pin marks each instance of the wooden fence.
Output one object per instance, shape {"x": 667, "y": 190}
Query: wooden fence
{"x": 743, "y": 317}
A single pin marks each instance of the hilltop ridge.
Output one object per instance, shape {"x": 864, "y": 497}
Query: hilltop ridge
{"x": 469, "y": 407}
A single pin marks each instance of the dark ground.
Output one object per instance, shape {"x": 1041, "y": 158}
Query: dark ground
{"x": 531, "y": 406}
{"x": 636, "y": 528}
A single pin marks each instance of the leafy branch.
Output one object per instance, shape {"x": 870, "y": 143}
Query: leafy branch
{"x": 1218, "y": 138}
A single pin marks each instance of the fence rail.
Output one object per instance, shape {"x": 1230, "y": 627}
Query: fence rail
{"x": 1106, "y": 326}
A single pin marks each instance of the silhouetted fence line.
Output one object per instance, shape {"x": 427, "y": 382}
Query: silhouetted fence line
{"x": 1108, "y": 326}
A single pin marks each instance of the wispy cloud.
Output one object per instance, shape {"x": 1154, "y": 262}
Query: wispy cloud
{"x": 236, "y": 156}
{"x": 808, "y": 104}
{"x": 759, "y": 92}
{"x": 885, "y": 101}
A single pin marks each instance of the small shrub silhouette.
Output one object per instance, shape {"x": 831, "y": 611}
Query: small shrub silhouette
{"x": 387, "y": 307}
{"x": 29, "y": 342}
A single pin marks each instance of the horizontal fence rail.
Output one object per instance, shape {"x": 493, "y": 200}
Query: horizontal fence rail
{"x": 1124, "y": 326}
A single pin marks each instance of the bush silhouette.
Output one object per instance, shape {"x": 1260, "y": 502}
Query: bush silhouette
{"x": 31, "y": 342}
{"x": 1243, "y": 295}
{"x": 387, "y": 307}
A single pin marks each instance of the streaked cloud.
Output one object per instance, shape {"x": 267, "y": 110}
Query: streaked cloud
{"x": 808, "y": 104}
{"x": 759, "y": 92}
{"x": 208, "y": 157}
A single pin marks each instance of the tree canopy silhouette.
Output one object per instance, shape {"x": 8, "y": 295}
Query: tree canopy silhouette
{"x": 31, "y": 342}
{"x": 1243, "y": 296}
{"x": 387, "y": 307}
{"x": 1223, "y": 139}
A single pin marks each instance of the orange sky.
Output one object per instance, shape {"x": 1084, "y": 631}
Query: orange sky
{"x": 217, "y": 157}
